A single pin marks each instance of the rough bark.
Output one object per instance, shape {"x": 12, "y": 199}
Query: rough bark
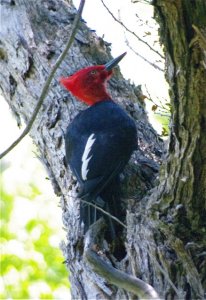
{"x": 170, "y": 239}
{"x": 166, "y": 235}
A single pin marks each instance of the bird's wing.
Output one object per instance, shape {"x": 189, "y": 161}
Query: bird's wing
{"x": 99, "y": 142}
{"x": 104, "y": 156}
{"x": 91, "y": 188}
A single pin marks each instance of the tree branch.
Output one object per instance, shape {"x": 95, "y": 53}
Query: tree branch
{"x": 112, "y": 275}
{"x": 130, "y": 31}
{"x": 104, "y": 212}
{"x": 142, "y": 57}
{"x": 48, "y": 81}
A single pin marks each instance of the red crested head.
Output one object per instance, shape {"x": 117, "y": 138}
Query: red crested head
{"x": 89, "y": 84}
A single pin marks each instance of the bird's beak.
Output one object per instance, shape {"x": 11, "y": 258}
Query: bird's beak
{"x": 112, "y": 63}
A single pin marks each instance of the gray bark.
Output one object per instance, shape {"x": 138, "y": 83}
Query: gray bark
{"x": 165, "y": 238}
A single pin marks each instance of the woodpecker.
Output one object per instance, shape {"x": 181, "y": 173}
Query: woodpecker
{"x": 99, "y": 141}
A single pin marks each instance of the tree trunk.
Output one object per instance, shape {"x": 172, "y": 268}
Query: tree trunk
{"x": 170, "y": 243}
{"x": 165, "y": 236}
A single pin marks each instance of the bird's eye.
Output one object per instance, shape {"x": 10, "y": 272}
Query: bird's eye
{"x": 93, "y": 72}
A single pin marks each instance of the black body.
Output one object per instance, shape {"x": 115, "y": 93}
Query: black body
{"x": 109, "y": 136}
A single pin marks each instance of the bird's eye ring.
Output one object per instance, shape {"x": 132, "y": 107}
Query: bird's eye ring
{"x": 93, "y": 72}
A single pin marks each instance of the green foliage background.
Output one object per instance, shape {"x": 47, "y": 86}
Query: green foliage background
{"x": 31, "y": 262}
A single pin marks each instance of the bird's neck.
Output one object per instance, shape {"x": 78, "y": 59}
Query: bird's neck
{"x": 93, "y": 95}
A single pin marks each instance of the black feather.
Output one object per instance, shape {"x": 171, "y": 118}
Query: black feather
{"x": 115, "y": 139}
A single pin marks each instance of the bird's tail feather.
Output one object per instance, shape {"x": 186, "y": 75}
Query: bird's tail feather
{"x": 109, "y": 201}
{"x": 90, "y": 211}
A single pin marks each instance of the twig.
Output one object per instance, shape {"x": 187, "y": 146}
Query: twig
{"x": 104, "y": 212}
{"x": 162, "y": 115}
{"x": 160, "y": 105}
{"x": 142, "y": 57}
{"x": 48, "y": 81}
{"x": 130, "y": 31}
{"x": 112, "y": 275}
{"x": 143, "y": 2}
